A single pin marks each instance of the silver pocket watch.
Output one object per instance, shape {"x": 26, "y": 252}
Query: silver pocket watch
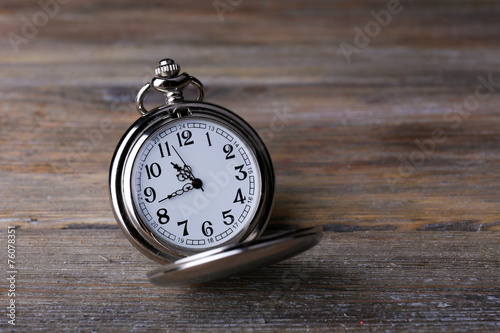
{"x": 192, "y": 185}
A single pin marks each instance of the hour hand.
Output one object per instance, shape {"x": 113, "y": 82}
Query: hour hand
{"x": 176, "y": 166}
{"x": 183, "y": 173}
{"x": 187, "y": 171}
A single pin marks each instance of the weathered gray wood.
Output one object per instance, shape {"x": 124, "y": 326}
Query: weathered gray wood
{"x": 411, "y": 226}
{"x": 376, "y": 280}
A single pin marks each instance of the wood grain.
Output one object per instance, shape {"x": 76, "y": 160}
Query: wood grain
{"x": 396, "y": 153}
{"x": 92, "y": 280}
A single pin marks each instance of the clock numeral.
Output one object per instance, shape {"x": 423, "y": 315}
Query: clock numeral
{"x": 185, "y": 222}
{"x": 208, "y": 139}
{"x": 163, "y": 218}
{"x": 153, "y": 171}
{"x": 186, "y": 135}
{"x": 228, "y": 149}
{"x": 150, "y": 194}
{"x": 239, "y": 197}
{"x": 162, "y": 154}
{"x": 207, "y": 230}
{"x": 225, "y": 215}
{"x": 243, "y": 173}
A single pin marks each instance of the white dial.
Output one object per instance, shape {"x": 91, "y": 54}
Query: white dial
{"x": 196, "y": 183}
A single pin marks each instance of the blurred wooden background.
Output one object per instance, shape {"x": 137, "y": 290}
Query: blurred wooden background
{"x": 382, "y": 119}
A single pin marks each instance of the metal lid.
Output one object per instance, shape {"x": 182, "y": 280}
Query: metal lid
{"x": 237, "y": 258}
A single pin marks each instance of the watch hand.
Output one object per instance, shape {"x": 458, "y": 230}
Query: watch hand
{"x": 178, "y": 155}
{"x": 183, "y": 173}
{"x": 197, "y": 183}
{"x": 186, "y": 188}
{"x": 176, "y": 167}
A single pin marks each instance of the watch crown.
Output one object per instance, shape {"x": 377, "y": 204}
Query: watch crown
{"x": 167, "y": 68}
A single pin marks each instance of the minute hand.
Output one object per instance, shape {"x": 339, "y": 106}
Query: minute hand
{"x": 186, "y": 188}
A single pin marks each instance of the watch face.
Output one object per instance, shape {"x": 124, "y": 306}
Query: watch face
{"x": 195, "y": 183}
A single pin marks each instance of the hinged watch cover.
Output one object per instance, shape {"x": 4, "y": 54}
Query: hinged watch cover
{"x": 236, "y": 258}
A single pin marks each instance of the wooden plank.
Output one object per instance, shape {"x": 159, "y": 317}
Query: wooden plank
{"x": 94, "y": 280}
{"x": 390, "y": 148}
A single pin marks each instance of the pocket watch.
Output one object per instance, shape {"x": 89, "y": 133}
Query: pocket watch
{"x": 192, "y": 185}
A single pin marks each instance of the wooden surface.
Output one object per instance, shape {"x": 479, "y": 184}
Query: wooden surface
{"x": 394, "y": 149}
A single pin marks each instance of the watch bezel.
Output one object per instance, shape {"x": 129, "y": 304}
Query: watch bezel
{"x": 124, "y": 209}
